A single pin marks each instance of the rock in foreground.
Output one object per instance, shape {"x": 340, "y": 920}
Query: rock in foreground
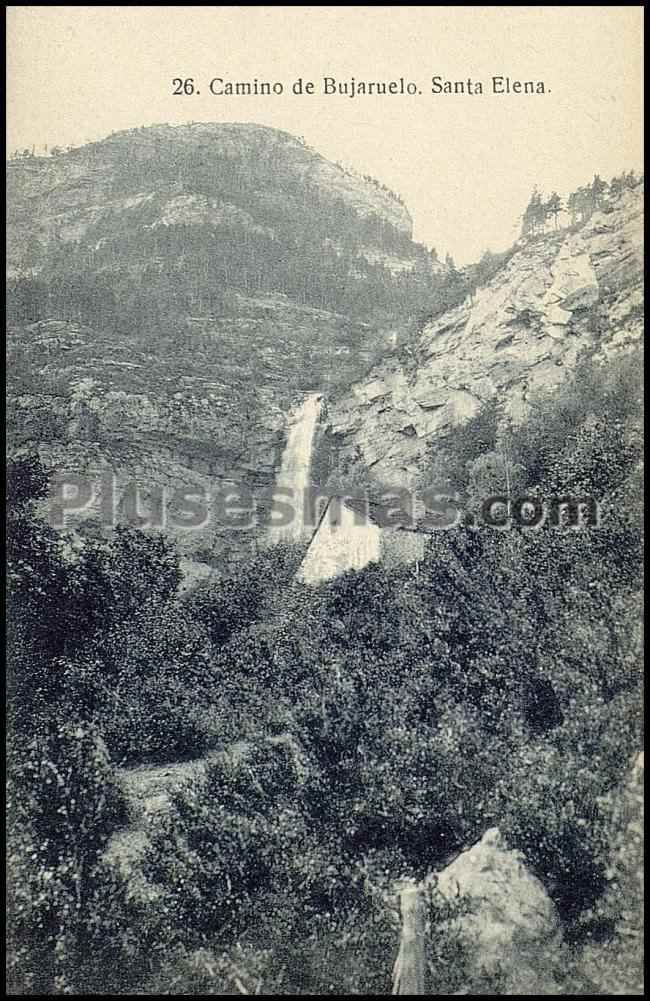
{"x": 508, "y": 925}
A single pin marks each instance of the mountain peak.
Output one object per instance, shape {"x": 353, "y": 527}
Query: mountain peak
{"x": 236, "y": 162}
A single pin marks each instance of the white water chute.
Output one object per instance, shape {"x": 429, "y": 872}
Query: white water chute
{"x": 293, "y": 480}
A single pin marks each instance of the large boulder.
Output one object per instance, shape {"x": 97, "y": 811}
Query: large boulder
{"x": 507, "y": 924}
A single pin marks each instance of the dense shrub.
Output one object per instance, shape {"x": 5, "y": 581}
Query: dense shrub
{"x": 244, "y": 592}
{"x": 129, "y": 573}
{"x": 65, "y": 904}
{"x": 224, "y": 841}
{"x": 147, "y": 683}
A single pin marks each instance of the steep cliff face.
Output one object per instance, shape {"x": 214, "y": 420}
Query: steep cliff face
{"x": 559, "y": 293}
{"x": 204, "y": 412}
{"x": 173, "y": 291}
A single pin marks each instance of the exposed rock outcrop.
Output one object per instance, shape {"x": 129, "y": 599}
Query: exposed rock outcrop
{"x": 558, "y": 294}
{"x": 507, "y": 923}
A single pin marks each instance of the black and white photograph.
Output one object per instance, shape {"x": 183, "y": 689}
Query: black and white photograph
{"x": 324, "y": 500}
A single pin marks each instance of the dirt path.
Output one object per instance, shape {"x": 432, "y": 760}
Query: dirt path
{"x": 149, "y": 789}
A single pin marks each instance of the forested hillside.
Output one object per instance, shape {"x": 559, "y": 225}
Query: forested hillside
{"x": 157, "y": 223}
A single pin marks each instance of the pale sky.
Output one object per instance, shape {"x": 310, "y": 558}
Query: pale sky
{"x": 464, "y": 164}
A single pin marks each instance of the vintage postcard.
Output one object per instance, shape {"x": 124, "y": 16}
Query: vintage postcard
{"x": 324, "y": 499}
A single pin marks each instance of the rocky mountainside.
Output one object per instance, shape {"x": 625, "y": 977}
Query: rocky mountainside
{"x": 111, "y": 202}
{"x": 560, "y": 292}
{"x": 204, "y": 410}
{"x": 173, "y": 290}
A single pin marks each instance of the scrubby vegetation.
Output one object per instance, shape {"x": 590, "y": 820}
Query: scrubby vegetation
{"x": 371, "y": 728}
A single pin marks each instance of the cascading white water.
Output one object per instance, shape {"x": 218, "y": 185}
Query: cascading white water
{"x": 293, "y": 479}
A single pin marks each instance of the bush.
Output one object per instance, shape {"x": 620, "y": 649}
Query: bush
{"x": 553, "y": 799}
{"x": 243, "y": 594}
{"x": 224, "y": 841}
{"x": 64, "y": 805}
{"x": 149, "y": 686}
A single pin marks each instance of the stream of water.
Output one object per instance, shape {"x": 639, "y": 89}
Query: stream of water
{"x": 293, "y": 478}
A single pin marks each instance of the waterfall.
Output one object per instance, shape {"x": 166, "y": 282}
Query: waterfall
{"x": 293, "y": 478}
